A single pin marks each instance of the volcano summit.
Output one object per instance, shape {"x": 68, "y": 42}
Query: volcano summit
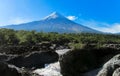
{"x": 54, "y": 22}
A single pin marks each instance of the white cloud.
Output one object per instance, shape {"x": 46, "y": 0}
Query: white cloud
{"x": 72, "y": 18}
{"x": 101, "y": 26}
{"x": 115, "y": 28}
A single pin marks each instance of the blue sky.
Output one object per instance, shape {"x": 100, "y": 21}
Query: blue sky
{"x": 103, "y": 15}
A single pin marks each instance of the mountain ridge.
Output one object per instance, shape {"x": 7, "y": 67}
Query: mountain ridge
{"x": 54, "y": 22}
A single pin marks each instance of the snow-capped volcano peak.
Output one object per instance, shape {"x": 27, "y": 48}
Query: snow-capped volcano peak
{"x": 54, "y": 15}
{"x": 54, "y": 22}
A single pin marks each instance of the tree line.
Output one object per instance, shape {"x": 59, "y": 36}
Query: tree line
{"x": 22, "y": 37}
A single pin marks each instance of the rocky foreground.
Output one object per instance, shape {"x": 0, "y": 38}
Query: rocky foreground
{"x": 65, "y": 62}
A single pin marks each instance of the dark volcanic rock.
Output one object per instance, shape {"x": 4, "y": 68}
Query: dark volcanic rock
{"x": 117, "y": 72}
{"x": 77, "y": 62}
{"x": 6, "y": 70}
{"x": 34, "y": 59}
{"x": 92, "y": 72}
{"x": 5, "y": 57}
{"x": 111, "y": 68}
{"x": 22, "y": 49}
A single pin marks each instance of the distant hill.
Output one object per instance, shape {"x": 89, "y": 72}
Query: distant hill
{"x": 117, "y": 33}
{"x": 53, "y": 23}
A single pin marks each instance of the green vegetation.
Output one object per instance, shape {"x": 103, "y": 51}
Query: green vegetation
{"x": 29, "y": 38}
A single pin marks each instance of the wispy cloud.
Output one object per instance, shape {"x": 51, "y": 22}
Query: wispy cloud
{"x": 115, "y": 28}
{"x": 72, "y": 18}
{"x": 101, "y": 26}
{"x": 18, "y": 20}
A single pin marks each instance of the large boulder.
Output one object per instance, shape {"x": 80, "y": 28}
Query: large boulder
{"x": 34, "y": 59}
{"x": 79, "y": 61}
{"x": 8, "y": 70}
{"x": 76, "y": 62}
{"x": 111, "y": 68}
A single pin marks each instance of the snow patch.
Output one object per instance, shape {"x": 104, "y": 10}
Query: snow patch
{"x": 51, "y": 16}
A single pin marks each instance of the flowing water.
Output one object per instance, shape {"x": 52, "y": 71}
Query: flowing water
{"x": 52, "y": 69}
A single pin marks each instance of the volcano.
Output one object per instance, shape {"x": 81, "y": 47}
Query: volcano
{"x": 54, "y": 22}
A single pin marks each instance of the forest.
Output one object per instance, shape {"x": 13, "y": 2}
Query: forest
{"x": 31, "y": 39}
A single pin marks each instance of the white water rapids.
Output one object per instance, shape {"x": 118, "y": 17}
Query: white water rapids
{"x": 52, "y": 69}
